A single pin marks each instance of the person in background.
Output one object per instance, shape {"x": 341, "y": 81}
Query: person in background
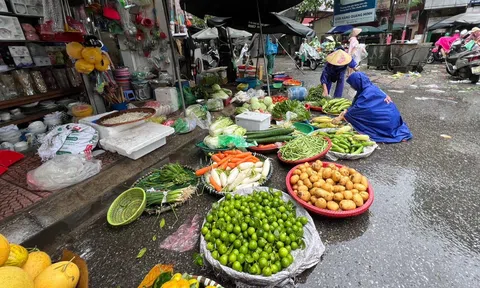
{"x": 354, "y": 48}
{"x": 445, "y": 43}
{"x": 303, "y": 52}
{"x": 373, "y": 112}
{"x": 334, "y": 71}
{"x": 271, "y": 50}
{"x": 474, "y": 35}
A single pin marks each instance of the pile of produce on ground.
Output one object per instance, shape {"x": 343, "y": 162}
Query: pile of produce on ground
{"x": 303, "y": 147}
{"x": 223, "y": 126}
{"x": 270, "y": 136}
{"x": 220, "y": 93}
{"x": 161, "y": 276}
{"x": 171, "y": 184}
{"x": 330, "y": 187}
{"x": 336, "y": 106}
{"x": 315, "y": 96}
{"x": 323, "y": 122}
{"x": 254, "y": 233}
{"x": 280, "y": 110}
{"x": 33, "y": 268}
{"x": 345, "y": 141}
{"x": 261, "y": 105}
{"x": 277, "y": 99}
{"x": 233, "y": 169}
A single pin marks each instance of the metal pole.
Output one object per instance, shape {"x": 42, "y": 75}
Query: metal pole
{"x": 175, "y": 58}
{"x": 391, "y": 20}
{"x": 261, "y": 36}
{"x": 289, "y": 55}
{"x": 404, "y": 32}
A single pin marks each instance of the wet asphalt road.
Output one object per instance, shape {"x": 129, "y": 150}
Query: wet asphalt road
{"x": 421, "y": 231}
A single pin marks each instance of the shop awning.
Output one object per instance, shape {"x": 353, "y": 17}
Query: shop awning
{"x": 467, "y": 18}
{"x": 212, "y": 33}
{"x": 365, "y": 30}
{"x": 220, "y": 8}
{"x": 339, "y": 29}
{"x": 307, "y": 21}
{"x": 396, "y": 27}
{"x": 272, "y": 23}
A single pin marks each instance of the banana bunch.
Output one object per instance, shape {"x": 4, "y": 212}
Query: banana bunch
{"x": 336, "y": 105}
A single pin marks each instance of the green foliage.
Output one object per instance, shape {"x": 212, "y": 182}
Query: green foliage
{"x": 314, "y": 5}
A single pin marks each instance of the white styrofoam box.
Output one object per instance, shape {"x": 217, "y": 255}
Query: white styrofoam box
{"x": 105, "y": 132}
{"x": 253, "y": 121}
{"x": 167, "y": 96}
{"x": 138, "y": 141}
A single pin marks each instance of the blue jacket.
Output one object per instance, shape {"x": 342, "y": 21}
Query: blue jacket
{"x": 370, "y": 113}
{"x": 270, "y": 48}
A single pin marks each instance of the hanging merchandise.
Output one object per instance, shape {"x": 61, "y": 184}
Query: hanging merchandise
{"x": 53, "y": 16}
{"x": 84, "y": 67}
{"x": 74, "y": 50}
{"x": 92, "y": 55}
{"x": 103, "y": 65}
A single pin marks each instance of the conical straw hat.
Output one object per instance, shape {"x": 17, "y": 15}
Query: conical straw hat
{"x": 339, "y": 58}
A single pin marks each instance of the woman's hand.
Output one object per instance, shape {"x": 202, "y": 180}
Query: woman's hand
{"x": 337, "y": 119}
{"x": 388, "y": 100}
{"x": 325, "y": 91}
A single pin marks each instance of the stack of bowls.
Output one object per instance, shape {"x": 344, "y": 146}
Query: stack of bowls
{"x": 10, "y": 135}
{"x": 123, "y": 77}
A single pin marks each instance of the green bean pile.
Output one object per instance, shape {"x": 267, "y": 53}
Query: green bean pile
{"x": 303, "y": 147}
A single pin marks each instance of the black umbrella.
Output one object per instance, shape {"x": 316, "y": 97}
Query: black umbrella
{"x": 200, "y": 8}
{"x": 272, "y": 23}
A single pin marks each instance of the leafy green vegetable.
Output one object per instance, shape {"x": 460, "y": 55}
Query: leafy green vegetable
{"x": 162, "y": 279}
{"x": 211, "y": 142}
{"x": 200, "y": 92}
{"x": 171, "y": 176}
{"x": 198, "y": 259}
{"x": 141, "y": 252}
{"x": 197, "y": 110}
{"x": 280, "y": 110}
{"x": 315, "y": 94}
{"x": 217, "y": 127}
{"x": 240, "y": 110}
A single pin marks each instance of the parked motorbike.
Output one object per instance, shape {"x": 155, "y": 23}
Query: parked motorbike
{"x": 210, "y": 59}
{"x": 467, "y": 65}
{"x": 435, "y": 55}
{"x": 311, "y": 62}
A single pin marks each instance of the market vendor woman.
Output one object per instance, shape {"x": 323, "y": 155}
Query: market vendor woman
{"x": 373, "y": 113}
{"x": 337, "y": 64}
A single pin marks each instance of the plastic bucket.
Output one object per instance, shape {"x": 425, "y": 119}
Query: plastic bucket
{"x": 297, "y": 93}
{"x": 119, "y": 106}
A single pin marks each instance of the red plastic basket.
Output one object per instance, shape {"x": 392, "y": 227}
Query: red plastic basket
{"x": 326, "y": 212}
{"x": 316, "y": 157}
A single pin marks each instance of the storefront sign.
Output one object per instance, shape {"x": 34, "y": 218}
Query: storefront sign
{"x": 349, "y": 12}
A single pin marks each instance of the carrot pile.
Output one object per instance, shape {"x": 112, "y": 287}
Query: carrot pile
{"x": 228, "y": 159}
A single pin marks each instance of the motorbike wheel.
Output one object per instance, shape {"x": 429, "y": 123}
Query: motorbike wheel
{"x": 313, "y": 65}
{"x": 450, "y": 71}
{"x": 430, "y": 59}
{"x": 394, "y": 62}
{"x": 474, "y": 78}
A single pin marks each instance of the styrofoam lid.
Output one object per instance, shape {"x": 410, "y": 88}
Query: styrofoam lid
{"x": 134, "y": 139}
{"x": 253, "y": 116}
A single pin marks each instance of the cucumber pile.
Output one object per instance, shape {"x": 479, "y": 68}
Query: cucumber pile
{"x": 336, "y": 106}
{"x": 270, "y": 136}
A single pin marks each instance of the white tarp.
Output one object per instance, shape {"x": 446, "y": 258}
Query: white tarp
{"x": 212, "y": 33}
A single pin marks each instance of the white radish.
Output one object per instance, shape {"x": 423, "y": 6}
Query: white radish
{"x": 223, "y": 179}
{"x": 249, "y": 185}
{"x": 259, "y": 164}
{"x": 233, "y": 175}
{"x": 215, "y": 176}
{"x": 252, "y": 179}
{"x": 266, "y": 168}
{"x": 258, "y": 170}
{"x": 241, "y": 176}
{"x": 245, "y": 165}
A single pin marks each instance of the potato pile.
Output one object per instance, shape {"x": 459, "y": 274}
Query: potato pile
{"x": 330, "y": 187}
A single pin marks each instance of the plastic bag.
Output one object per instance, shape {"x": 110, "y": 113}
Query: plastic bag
{"x": 303, "y": 259}
{"x": 233, "y": 141}
{"x": 185, "y": 237}
{"x": 62, "y": 171}
{"x": 200, "y": 114}
{"x": 68, "y": 139}
{"x": 214, "y": 105}
{"x": 187, "y": 95}
{"x": 184, "y": 125}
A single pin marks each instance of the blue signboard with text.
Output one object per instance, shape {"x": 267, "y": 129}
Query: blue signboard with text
{"x": 350, "y": 12}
